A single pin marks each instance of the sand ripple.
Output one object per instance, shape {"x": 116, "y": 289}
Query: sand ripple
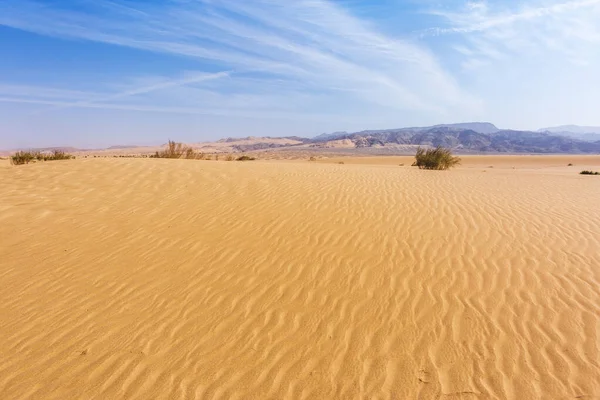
{"x": 195, "y": 279}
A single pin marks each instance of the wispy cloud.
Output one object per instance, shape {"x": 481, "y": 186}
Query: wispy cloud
{"x": 313, "y": 43}
{"x": 190, "y": 78}
{"x": 478, "y": 16}
{"x": 492, "y": 31}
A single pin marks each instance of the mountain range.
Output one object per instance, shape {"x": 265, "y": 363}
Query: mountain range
{"x": 467, "y": 137}
{"x": 586, "y": 133}
{"x": 473, "y": 137}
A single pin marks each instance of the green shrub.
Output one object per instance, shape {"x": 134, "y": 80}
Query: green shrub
{"x": 589, "y": 173}
{"x": 25, "y": 157}
{"x": 22, "y": 157}
{"x": 57, "y": 155}
{"x": 439, "y": 158}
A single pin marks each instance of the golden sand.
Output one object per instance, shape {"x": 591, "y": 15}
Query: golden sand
{"x": 177, "y": 279}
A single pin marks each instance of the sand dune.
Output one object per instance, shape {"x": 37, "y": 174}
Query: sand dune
{"x": 176, "y": 279}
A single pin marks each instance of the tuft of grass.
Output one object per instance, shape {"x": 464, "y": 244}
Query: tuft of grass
{"x": 246, "y": 158}
{"x": 589, "y": 173}
{"x": 439, "y": 158}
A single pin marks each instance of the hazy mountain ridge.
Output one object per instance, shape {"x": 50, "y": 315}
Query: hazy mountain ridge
{"x": 467, "y": 137}
{"x": 476, "y": 137}
{"x": 585, "y": 133}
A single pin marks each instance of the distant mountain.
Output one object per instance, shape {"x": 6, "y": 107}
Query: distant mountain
{"x": 572, "y": 129}
{"x": 462, "y": 138}
{"x": 123, "y": 147}
{"x": 329, "y": 136}
{"x": 586, "y": 133}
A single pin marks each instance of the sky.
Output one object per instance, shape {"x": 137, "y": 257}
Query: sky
{"x": 96, "y": 73}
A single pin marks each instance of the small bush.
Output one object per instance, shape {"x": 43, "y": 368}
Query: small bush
{"x": 439, "y": 158}
{"x": 341, "y": 162}
{"x": 58, "y": 155}
{"x": 589, "y": 173}
{"x": 312, "y": 159}
{"x": 246, "y": 158}
{"x": 178, "y": 150}
{"x": 25, "y": 157}
{"x": 22, "y": 157}
{"x": 229, "y": 157}
{"x": 570, "y": 165}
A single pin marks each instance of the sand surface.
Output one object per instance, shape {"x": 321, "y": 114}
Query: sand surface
{"x": 177, "y": 279}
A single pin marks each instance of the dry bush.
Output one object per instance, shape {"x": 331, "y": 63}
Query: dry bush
{"x": 589, "y": 173}
{"x": 178, "y": 150}
{"x": 312, "y": 159}
{"x": 229, "y": 157}
{"x": 246, "y": 158}
{"x": 439, "y": 158}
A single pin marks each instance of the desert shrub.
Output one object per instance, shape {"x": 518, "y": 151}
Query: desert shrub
{"x": 570, "y": 165}
{"x": 229, "y": 157}
{"x": 246, "y": 158}
{"x": 341, "y": 162}
{"x": 312, "y": 159}
{"x": 178, "y": 150}
{"x": 173, "y": 150}
{"x": 589, "y": 173}
{"x": 58, "y": 155}
{"x": 22, "y": 157}
{"x": 190, "y": 153}
{"x": 439, "y": 158}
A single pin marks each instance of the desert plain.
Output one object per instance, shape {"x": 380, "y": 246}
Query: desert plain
{"x": 287, "y": 279}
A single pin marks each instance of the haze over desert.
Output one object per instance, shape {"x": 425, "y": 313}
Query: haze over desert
{"x": 289, "y": 279}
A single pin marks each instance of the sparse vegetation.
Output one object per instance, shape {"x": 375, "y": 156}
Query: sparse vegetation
{"x": 341, "y": 162}
{"x": 25, "y": 157}
{"x": 58, "y": 155}
{"x": 22, "y": 157}
{"x": 312, "y": 159}
{"x": 229, "y": 157}
{"x": 246, "y": 158}
{"x": 179, "y": 150}
{"x": 439, "y": 158}
{"x": 570, "y": 165}
{"x": 589, "y": 173}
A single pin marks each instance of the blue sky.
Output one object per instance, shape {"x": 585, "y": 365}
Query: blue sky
{"x": 93, "y": 73}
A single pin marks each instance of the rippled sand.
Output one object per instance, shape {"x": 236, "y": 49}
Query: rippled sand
{"x": 176, "y": 279}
